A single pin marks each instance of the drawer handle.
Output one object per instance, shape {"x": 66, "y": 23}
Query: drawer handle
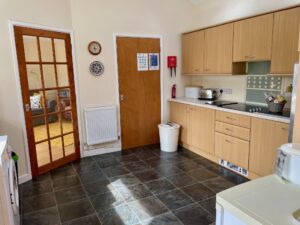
{"x": 249, "y": 57}
{"x": 230, "y": 118}
{"x": 284, "y": 129}
{"x": 228, "y": 129}
{"x": 228, "y": 141}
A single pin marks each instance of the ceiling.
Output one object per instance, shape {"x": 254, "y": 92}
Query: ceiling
{"x": 196, "y": 1}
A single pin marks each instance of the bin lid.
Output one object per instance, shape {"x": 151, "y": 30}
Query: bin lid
{"x": 169, "y": 126}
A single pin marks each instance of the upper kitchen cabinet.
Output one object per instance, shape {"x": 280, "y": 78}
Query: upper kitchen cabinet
{"x": 285, "y": 41}
{"x": 253, "y": 39}
{"x": 192, "y": 52}
{"x": 218, "y": 50}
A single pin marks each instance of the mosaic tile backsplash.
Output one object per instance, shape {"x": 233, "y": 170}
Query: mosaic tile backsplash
{"x": 258, "y": 82}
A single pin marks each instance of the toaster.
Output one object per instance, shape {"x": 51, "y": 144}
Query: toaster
{"x": 288, "y": 163}
{"x": 208, "y": 94}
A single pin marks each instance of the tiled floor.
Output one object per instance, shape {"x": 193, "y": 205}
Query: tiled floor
{"x": 142, "y": 186}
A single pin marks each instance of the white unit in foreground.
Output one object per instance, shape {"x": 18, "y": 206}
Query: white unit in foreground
{"x": 271, "y": 200}
{"x": 9, "y": 195}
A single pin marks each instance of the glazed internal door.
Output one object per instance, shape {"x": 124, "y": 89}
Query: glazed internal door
{"x": 48, "y": 92}
{"x": 139, "y": 93}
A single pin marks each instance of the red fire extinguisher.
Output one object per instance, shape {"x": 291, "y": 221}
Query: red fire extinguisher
{"x": 174, "y": 91}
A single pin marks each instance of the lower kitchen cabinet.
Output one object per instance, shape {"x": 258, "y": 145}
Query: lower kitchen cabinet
{"x": 232, "y": 149}
{"x": 178, "y": 114}
{"x": 197, "y": 125}
{"x": 266, "y": 137}
{"x": 201, "y": 128}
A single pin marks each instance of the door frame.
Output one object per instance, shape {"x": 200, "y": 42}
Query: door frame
{"x": 155, "y": 36}
{"x": 11, "y": 24}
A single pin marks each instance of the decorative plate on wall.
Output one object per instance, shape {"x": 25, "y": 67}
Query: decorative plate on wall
{"x": 94, "y": 48}
{"x": 97, "y": 68}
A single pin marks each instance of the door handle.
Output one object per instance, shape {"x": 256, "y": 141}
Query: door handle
{"x": 122, "y": 97}
{"x": 27, "y": 108}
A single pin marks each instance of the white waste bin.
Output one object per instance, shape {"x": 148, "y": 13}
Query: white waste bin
{"x": 168, "y": 134}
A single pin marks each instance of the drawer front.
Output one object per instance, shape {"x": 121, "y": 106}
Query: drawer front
{"x": 234, "y": 119}
{"x": 232, "y": 149}
{"x": 231, "y": 130}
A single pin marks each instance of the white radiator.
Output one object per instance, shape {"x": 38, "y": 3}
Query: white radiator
{"x": 101, "y": 125}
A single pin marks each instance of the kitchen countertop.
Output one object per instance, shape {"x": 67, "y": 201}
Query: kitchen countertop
{"x": 200, "y": 103}
{"x": 268, "y": 200}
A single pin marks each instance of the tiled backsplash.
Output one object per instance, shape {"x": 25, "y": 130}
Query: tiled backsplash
{"x": 250, "y": 88}
{"x": 258, "y": 82}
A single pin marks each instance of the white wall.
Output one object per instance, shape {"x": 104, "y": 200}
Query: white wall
{"x": 208, "y": 13}
{"x": 100, "y": 20}
{"x": 54, "y": 13}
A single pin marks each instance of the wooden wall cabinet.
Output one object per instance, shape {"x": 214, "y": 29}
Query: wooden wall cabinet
{"x": 192, "y": 52}
{"x": 178, "y": 114}
{"x": 266, "y": 137}
{"x": 218, "y": 50}
{"x": 201, "y": 128}
{"x": 253, "y": 39}
{"x": 285, "y": 41}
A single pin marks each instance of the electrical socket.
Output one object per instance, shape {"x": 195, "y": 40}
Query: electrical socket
{"x": 227, "y": 91}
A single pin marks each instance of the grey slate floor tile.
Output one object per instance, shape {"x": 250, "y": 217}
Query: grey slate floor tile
{"x": 138, "y": 186}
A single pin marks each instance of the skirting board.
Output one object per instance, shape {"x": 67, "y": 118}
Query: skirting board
{"x": 100, "y": 151}
{"x": 24, "y": 178}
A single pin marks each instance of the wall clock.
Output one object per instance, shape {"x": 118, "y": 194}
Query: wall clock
{"x": 97, "y": 68}
{"x": 94, "y": 48}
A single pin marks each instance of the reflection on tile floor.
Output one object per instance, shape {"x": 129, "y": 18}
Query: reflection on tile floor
{"x": 142, "y": 186}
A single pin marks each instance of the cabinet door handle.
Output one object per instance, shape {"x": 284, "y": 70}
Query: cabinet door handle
{"x": 230, "y": 118}
{"x": 249, "y": 57}
{"x": 207, "y": 69}
{"x": 228, "y": 141}
{"x": 228, "y": 129}
{"x": 283, "y": 128}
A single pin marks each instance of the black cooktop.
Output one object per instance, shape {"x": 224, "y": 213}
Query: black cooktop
{"x": 254, "y": 109}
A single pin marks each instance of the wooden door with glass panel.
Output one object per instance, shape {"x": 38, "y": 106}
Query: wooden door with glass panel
{"x": 48, "y": 92}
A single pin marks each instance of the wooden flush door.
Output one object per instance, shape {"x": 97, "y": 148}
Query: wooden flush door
{"x": 48, "y": 93}
{"x": 139, "y": 93}
{"x": 178, "y": 114}
{"x": 192, "y": 52}
{"x": 266, "y": 137}
{"x": 285, "y": 41}
{"x": 253, "y": 39}
{"x": 218, "y": 50}
{"x": 201, "y": 128}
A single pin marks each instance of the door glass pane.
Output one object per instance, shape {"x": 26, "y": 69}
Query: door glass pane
{"x": 31, "y": 49}
{"x": 60, "y": 50}
{"x": 51, "y": 101}
{"x": 62, "y": 75}
{"x": 54, "y": 125}
{"x": 40, "y": 129}
{"x": 42, "y": 152}
{"x": 67, "y": 122}
{"x": 56, "y": 148}
{"x": 65, "y": 100}
{"x": 69, "y": 144}
{"x": 49, "y": 76}
{"x": 37, "y": 103}
{"x": 46, "y": 49}
{"x": 34, "y": 76}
